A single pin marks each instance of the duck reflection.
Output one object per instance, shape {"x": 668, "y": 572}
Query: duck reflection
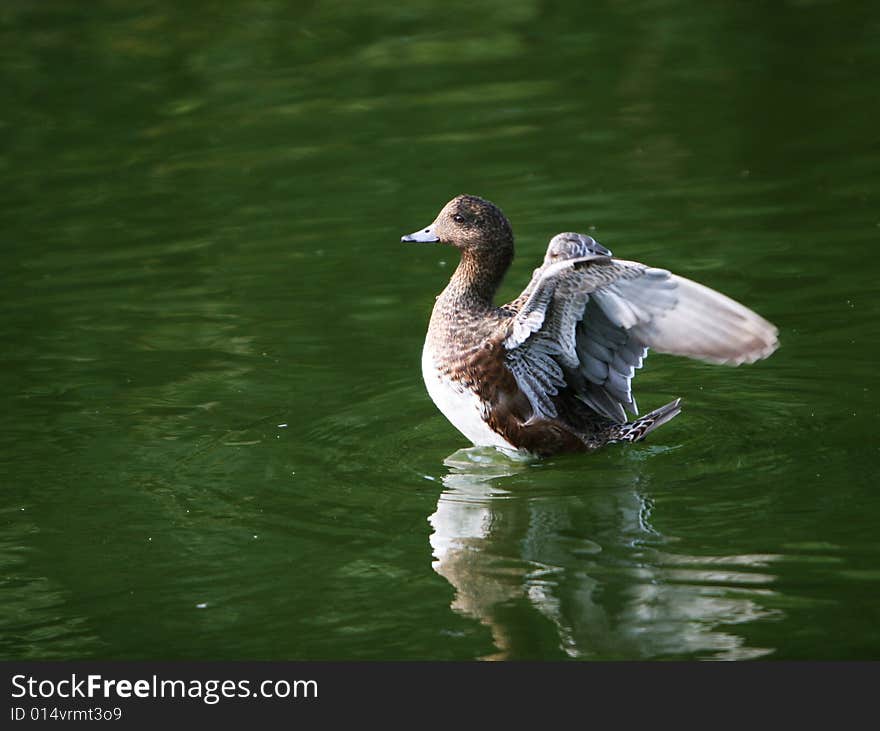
{"x": 590, "y": 563}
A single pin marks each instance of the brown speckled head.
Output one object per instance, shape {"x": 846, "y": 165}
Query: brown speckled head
{"x": 481, "y": 232}
{"x": 469, "y": 223}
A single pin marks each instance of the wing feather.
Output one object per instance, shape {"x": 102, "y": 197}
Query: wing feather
{"x": 587, "y": 323}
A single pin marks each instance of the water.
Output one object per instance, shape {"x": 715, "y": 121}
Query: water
{"x": 217, "y": 443}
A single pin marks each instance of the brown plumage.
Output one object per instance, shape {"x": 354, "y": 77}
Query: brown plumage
{"x": 550, "y": 371}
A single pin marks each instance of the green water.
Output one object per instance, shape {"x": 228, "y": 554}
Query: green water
{"x": 216, "y": 440}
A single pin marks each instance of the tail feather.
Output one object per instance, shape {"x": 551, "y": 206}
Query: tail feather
{"x": 638, "y": 429}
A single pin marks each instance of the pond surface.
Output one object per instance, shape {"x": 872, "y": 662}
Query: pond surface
{"x": 217, "y": 443}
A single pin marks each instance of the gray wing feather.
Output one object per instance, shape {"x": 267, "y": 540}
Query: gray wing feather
{"x": 587, "y": 324}
{"x": 609, "y": 357}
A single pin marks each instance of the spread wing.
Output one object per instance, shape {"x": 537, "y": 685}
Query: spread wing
{"x": 587, "y": 324}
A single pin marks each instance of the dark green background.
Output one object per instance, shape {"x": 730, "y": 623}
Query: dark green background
{"x": 216, "y": 442}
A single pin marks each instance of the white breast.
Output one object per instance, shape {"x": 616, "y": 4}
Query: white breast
{"x": 460, "y": 405}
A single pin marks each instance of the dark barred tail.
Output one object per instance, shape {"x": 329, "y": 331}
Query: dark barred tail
{"x": 635, "y": 431}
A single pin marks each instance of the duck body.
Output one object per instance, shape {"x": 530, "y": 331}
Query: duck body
{"x": 550, "y": 371}
{"x": 454, "y": 387}
{"x": 466, "y": 374}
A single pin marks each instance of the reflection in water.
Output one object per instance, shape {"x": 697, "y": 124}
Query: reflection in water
{"x": 614, "y": 592}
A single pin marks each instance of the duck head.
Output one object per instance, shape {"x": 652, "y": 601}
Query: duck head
{"x": 469, "y": 223}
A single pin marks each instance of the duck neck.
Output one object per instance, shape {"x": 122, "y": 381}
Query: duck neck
{"x": 477, "y": 278}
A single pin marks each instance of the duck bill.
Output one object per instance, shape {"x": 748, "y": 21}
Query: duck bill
{"x": 423, "y": 236}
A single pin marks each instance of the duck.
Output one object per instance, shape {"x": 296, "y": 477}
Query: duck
{"x": 551, "y": 371}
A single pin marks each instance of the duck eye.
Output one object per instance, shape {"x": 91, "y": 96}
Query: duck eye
{"x": 458, "y": 218}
